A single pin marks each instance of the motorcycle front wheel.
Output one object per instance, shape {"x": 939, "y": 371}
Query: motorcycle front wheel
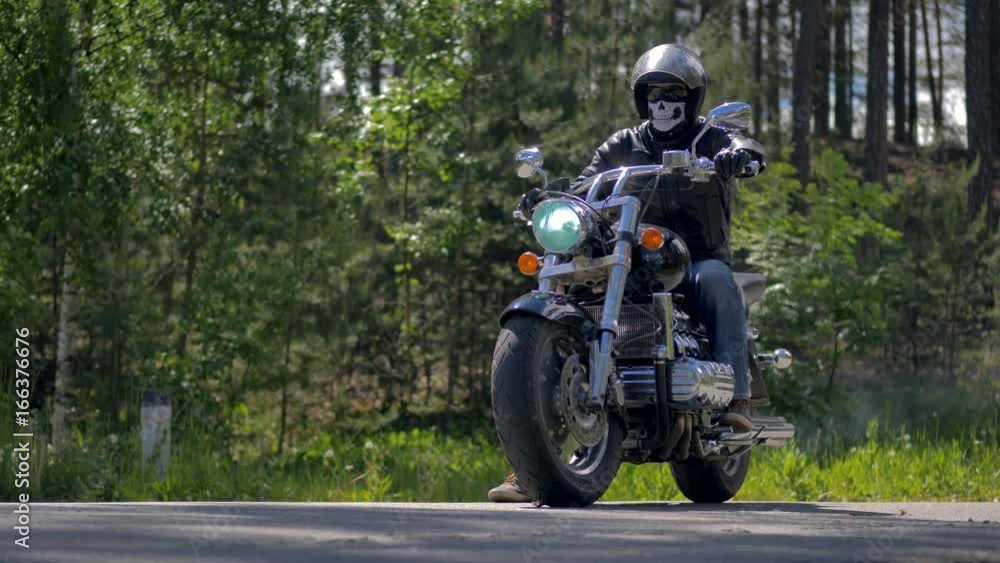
{"x": 536, "y": 409}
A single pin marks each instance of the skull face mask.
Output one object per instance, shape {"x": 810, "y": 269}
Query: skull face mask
{"x": 664, "y": 116}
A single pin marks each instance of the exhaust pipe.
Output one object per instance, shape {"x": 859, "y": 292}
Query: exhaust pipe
{"x": 767, "y": 431}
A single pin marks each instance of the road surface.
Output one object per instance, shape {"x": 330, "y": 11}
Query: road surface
{"x": 606, "y": 532}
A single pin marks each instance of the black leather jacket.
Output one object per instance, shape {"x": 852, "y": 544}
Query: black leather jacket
{"x": 700, "y": 213}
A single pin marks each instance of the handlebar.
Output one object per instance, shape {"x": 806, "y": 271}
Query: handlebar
{"x": 697, "y": 169}
{"x": 750, "y": 169}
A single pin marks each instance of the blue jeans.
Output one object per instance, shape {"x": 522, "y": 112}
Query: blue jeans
{"x": 711, "y": 294}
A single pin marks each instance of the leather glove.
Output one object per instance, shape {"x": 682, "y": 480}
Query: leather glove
{"x": 730, "y": 163}
{"x": 528, "y": 202}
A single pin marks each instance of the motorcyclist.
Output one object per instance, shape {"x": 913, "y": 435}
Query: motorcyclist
{"x": 668, "y": 84}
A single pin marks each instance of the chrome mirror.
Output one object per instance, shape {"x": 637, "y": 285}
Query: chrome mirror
{"x": 730, "y": 116}
{"x": 529, "y": 162}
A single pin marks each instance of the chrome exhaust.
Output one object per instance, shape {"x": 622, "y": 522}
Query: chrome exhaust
{"x": 767, "y": 431}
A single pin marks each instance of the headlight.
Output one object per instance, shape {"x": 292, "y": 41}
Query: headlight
{"x": 559, "y": 225}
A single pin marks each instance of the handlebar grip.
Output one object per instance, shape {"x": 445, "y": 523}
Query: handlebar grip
{"x": 751, "y": 168}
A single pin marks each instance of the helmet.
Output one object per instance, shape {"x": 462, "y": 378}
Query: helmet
{"x": 670, "y": 63}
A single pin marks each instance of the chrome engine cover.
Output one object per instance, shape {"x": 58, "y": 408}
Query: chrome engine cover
{"x": 701, "y": 383}
{"x": 698, "y": 383}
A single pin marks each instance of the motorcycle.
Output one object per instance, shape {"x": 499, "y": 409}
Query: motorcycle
{"x": 601, "y": 364}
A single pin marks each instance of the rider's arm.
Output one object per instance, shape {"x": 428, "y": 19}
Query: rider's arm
{"x": 603, "y": 157}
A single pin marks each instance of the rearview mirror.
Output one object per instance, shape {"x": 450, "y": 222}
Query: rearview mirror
{"x": 529, "y": 162}
{"x": 730, "y": 116}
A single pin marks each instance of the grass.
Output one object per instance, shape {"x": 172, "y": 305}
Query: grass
{"x": 426, "y": 465}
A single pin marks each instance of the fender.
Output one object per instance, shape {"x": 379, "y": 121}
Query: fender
{"x": 552, "y": 306}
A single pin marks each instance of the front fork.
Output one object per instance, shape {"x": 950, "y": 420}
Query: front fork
{"x": 601, "y": 362}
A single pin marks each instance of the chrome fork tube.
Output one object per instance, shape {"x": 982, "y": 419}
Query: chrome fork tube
{"x": 548, "y": 284}
{"x": 600, "y": 362}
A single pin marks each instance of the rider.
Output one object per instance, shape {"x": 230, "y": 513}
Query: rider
{"x": 668, "y": 84}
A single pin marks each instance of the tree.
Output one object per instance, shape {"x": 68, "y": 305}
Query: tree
{"x": 773, "y": 74}
{"x": 876, "y": 143}
{"x": 73, "y": 130}
{"x": 940, "y": 51}
{"x": 843, "y": 75}
{"x": 936, "y": 111}
{"x": 911, "y": 72}
{"x": 979, "y": 105}
{"x": 805, "y": 61}
{"x": 743, "y": 22}
{"x": 821, "y": 88}
{"x": 899, "y": 114}
{"x": 758, "y": 68}
{"x": 995, "y": 87}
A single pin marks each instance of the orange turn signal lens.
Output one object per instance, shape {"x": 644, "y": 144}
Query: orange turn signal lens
{"x": 527, "y": 263}
{"x": 652, "y": 238}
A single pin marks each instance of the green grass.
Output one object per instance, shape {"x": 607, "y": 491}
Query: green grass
{"x": 425, "y": 465}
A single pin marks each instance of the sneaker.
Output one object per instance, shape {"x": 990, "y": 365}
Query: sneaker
{"x": 738, "y": 416}
{"x": 510, "y": 490}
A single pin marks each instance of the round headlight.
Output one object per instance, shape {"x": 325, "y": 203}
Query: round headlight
{"x": 559, "y": 226}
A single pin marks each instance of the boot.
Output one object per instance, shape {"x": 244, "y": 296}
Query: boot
{"x": 510, "y": 490}
{"x": 738, "y": 416}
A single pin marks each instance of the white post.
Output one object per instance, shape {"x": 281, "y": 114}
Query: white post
{"x": 155, "y": 417}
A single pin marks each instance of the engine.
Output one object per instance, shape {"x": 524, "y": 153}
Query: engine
{"x": 697, "y": 383}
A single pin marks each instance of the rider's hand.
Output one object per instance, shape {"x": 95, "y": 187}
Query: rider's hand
{"x": 730, "y": 163}
{"x": 528, "y": 202}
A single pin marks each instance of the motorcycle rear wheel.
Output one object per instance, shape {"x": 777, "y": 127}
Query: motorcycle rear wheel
{"x": 527, "y": 366}
{"x": 711, "y": 483}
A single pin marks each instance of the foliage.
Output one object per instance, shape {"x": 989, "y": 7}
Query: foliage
{"x": 295, "y": 217}
{"x": 823, "y": 300}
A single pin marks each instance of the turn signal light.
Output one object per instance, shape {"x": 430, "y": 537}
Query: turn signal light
{"x": 527, "y": 263}
{"x": 652, "y": 238}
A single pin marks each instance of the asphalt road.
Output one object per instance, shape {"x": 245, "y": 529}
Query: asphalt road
{"x": 611, "y": 532}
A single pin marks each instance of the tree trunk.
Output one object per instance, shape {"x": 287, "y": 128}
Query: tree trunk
{"x": 194, "y": 239}
{"x": 821, "y": 88}
{"x": 940, "y": 52}
{"x": 375, "y": 76}
{"x": 805, "y": 69}
{"x": 842, "y": 70}
{"x": 284, "y": 390}
{"x": 556, "y": 22}
{"x": 850, "y": 65}
{"x": 876, "y": 143}
{"x": 995, "y": 86}
{"x": 911, "y": 74}
{"x": 979, "y": 106}
{"x": 64, "y": 367}
{"x": 793, "y": 10}
{"x": 899, "y": 116}
{"x": 774, "y": 62}
{"x": 61, "y": 13}
{"x": 935, "y": 102}
{"x": 743, "y": 23}
{"x": 758, "y": 70}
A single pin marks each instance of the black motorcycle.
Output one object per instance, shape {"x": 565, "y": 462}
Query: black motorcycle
{"x": 601, "y": 364}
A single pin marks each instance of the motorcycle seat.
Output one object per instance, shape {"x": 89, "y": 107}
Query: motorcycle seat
{"x": 752, "y": 285}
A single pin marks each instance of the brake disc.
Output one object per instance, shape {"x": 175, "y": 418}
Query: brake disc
{"x": 587, "y": 426}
